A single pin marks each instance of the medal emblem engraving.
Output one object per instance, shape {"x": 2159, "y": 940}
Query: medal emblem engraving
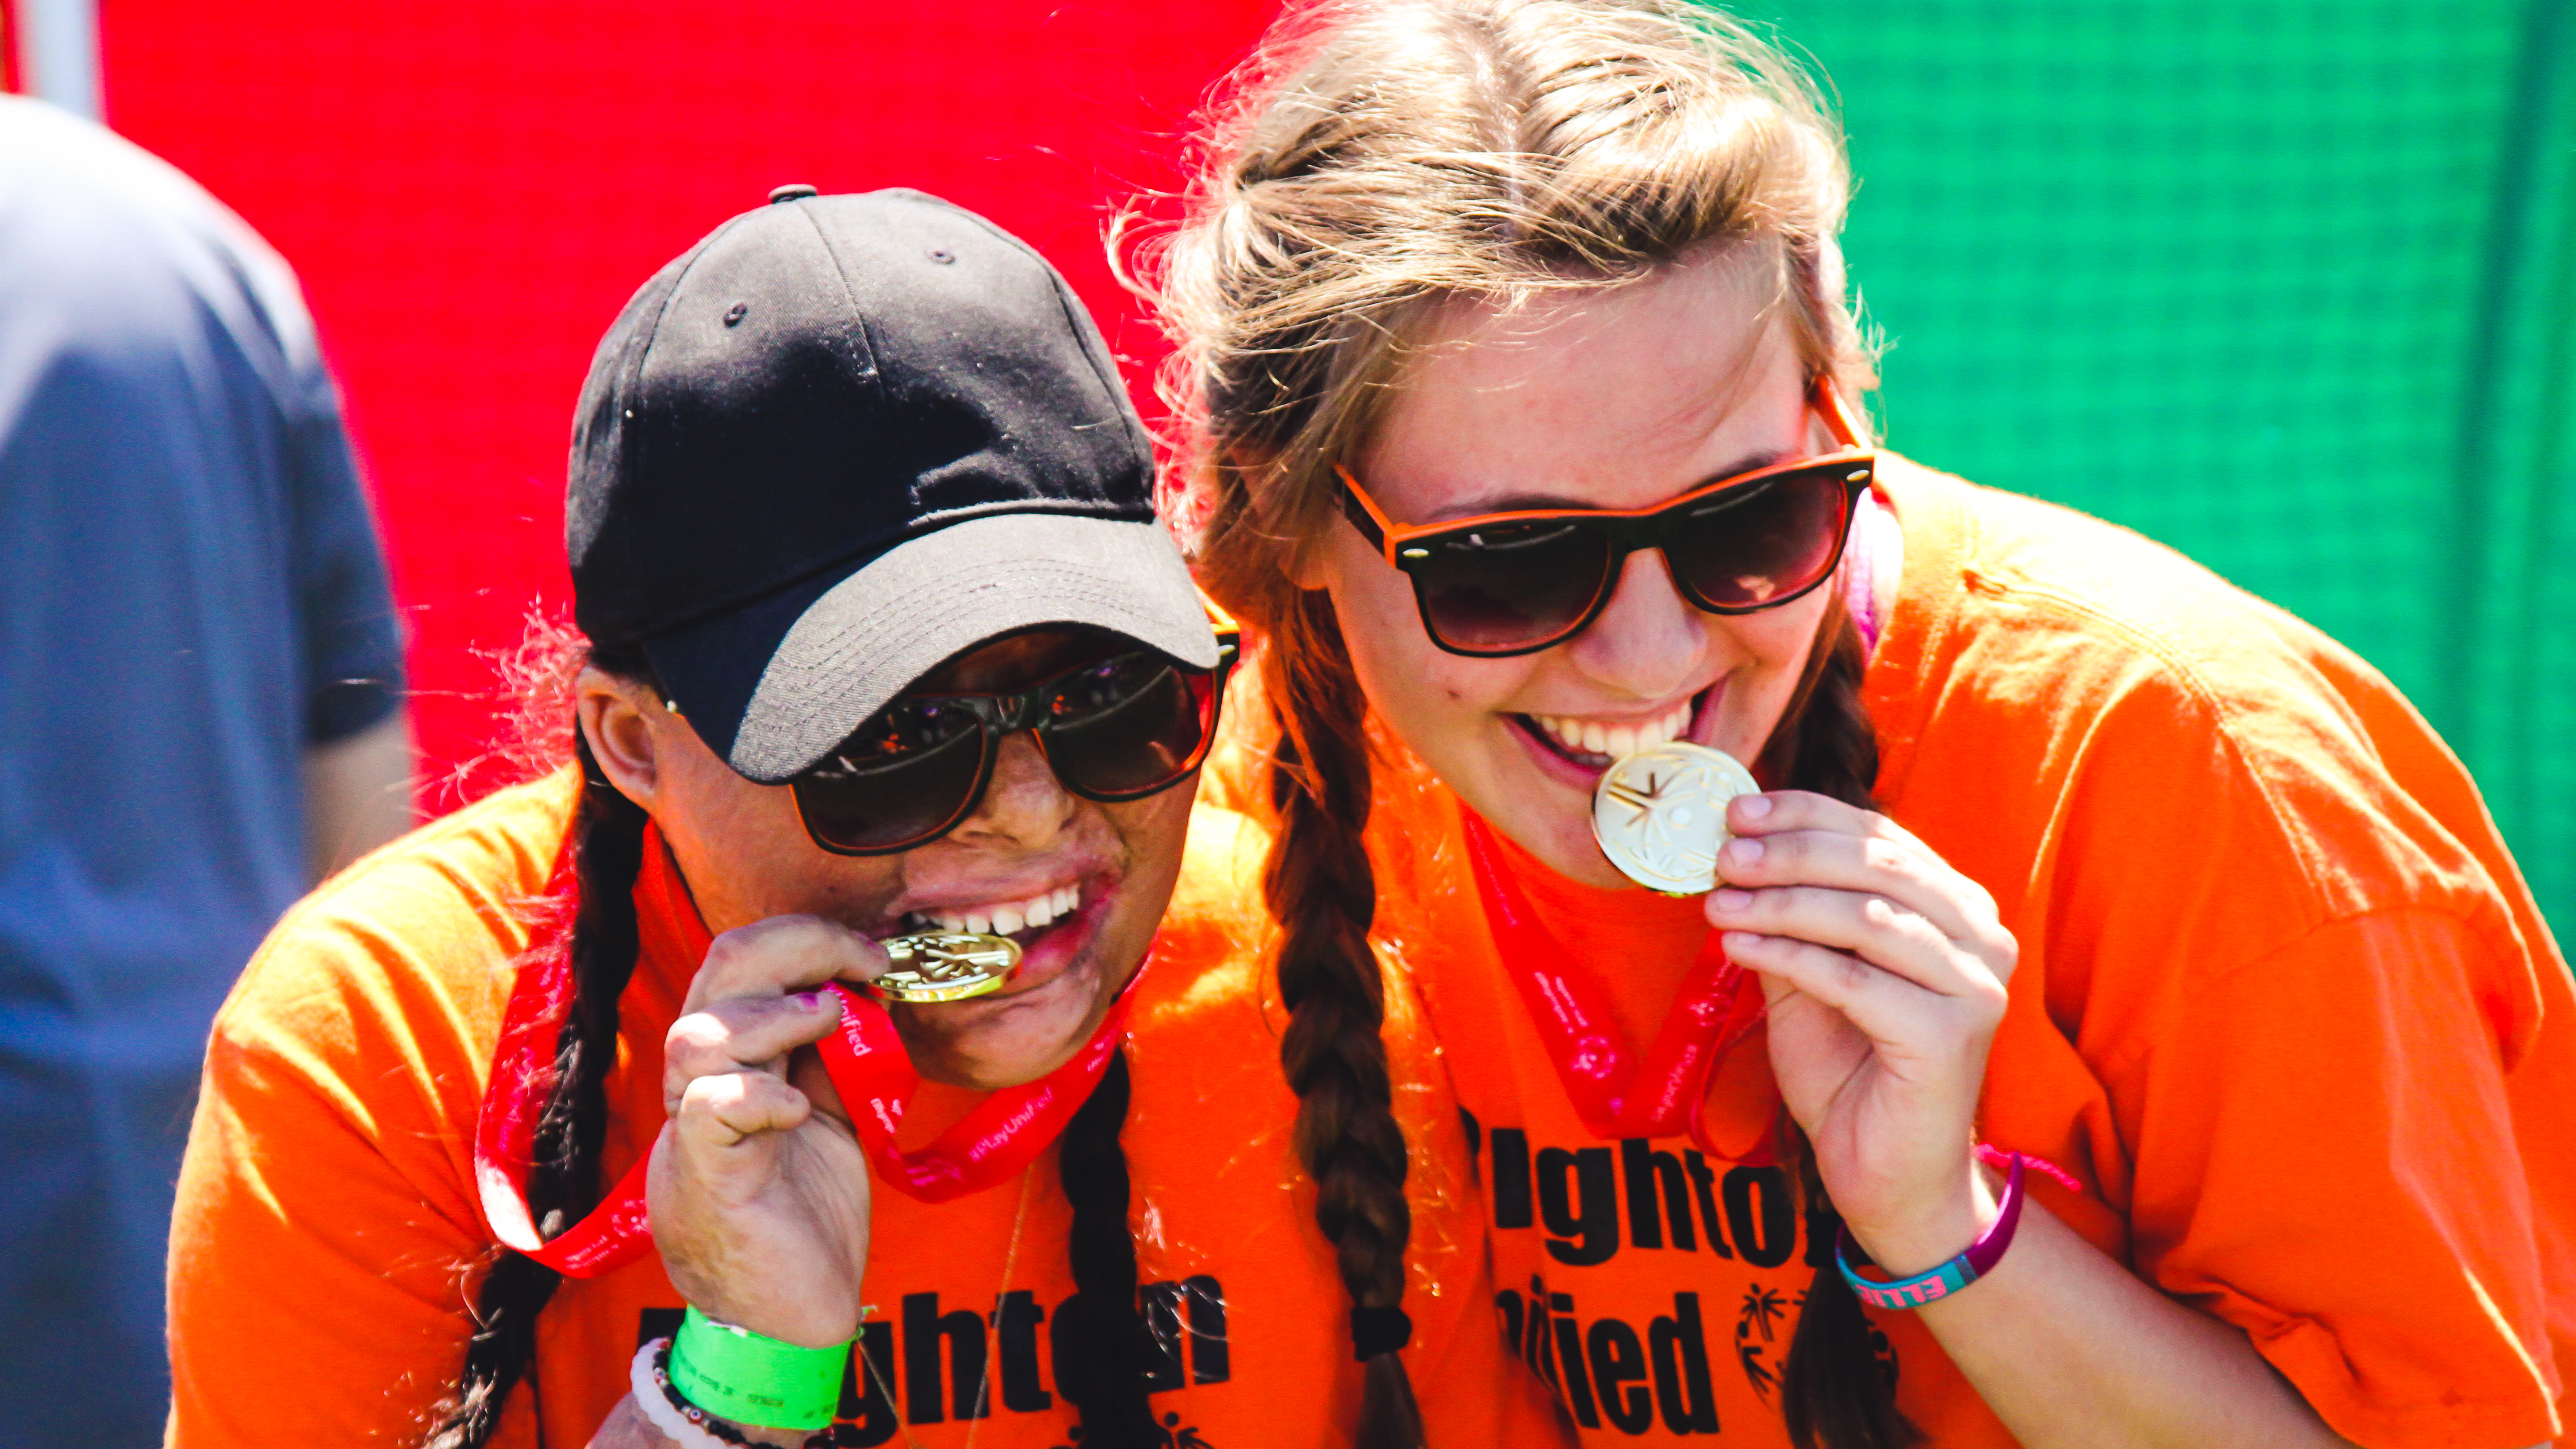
{"x": 1660, "y": 814}
{"x": 945, "y": 966}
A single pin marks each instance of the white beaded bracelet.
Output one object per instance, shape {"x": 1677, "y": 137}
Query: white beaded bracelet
{"x": 657, "y": 1410}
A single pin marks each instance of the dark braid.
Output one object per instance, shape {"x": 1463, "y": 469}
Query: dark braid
{"x": 1107, "y": 1381}
{"x": 1321, "y": 890}
{"x": 1833, "y": 1391}
{"x": 563, "y": 1181}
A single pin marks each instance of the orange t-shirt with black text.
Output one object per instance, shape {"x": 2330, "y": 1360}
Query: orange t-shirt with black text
{"x": 2283, "y": 1007}
{"x": 328, "y": 1240}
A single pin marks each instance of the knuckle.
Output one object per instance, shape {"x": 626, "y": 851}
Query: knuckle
{"x": 694, "y": 1037}
{"x": 708, "y": 1096}
{"x": 1879, "y": 853}
{"x": 1850, "y": 972}
{"x": 730, "y": 949}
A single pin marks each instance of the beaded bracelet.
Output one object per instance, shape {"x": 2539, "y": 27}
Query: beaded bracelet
{"x": 1948, "y": 1278}
{"x": 677, "y": 1419}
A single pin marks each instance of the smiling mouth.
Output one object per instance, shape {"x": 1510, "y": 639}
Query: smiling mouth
{"x": 1022, "y": 920}
{"x": 1592, "y": 745}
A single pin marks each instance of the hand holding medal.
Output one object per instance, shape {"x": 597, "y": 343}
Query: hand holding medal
{"x": 1883, "y": 970}
{"x": 759, "y": 1189}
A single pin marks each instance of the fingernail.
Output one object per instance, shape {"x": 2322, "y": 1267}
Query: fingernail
{"x": 1754, "y": 806}
{"x": 809, "y": 999}
{"x": 1740, "y": 940}
{"x": 1733, "y": 900}
{"x": 1743, "y": 851}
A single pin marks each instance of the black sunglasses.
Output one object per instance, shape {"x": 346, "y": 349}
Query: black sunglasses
{"x": 1120, "y": 728}
{"x": 1517, "y": 582}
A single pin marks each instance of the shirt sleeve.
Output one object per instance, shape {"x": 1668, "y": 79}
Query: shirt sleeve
{"x": 353, "y": 644}
{"x": 325, "y": 1245}
{"x": 2328, "y": 1158}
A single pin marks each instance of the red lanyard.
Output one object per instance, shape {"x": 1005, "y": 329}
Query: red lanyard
{"x": 1616, "y": 1095}
{"x": 992, "y": 1143}
{"x": 869, "y": 1068}
{"x": 618, "y": 1231}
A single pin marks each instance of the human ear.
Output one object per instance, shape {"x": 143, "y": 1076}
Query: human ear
{"x": 615, "y": 717}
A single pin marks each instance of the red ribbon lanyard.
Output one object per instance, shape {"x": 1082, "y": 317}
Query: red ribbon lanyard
{"x": 865, "y": 1057}
{"x": 618, "y": 1231}
{"x": 1615, "y": 1095}
{"x": 991, "y": 1144}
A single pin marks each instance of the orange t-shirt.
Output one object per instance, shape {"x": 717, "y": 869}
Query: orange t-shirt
{"x": 2283, "y": 1006}
{"x": 328, "y": 1236}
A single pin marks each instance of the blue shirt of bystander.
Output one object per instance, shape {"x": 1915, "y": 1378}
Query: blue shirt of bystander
{"x": 191, "y": 596}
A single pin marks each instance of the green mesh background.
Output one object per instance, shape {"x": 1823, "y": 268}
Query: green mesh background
{"x": 2287, "y": 284}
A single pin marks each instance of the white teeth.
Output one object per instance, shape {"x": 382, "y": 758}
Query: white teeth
{"x": 1004, "y": 920}
{"x": 1591, "y": 737}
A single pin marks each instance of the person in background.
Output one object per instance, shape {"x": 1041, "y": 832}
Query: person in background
{"x": 200, "y": 716}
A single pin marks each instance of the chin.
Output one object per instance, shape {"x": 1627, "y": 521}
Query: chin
{"x": 1003, "y": 1040}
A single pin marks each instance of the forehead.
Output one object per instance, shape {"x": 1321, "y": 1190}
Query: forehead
{"x": 1616, "y": 397}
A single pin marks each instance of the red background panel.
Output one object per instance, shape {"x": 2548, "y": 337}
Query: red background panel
{"x": 471, "y": 189}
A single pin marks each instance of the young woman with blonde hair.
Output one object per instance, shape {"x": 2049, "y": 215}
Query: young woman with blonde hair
{"x": 1515, "y": 343}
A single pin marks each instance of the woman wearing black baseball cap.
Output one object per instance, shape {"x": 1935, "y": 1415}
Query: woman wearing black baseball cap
{"x": 894, "y": 694}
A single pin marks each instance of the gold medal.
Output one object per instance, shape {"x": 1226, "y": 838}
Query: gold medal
{"x": 1660, "y": 814}
{"x": 946, "y": 965}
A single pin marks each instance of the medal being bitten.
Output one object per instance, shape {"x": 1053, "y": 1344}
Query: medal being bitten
{"x": 1660, "y": 814}
{"x": 945, "y": 966}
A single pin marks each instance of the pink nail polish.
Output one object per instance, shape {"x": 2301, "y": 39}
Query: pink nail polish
{"x": 809, "y": 999}
{"x": 1755, "y": 806}
{"x": 1743, "y": 850}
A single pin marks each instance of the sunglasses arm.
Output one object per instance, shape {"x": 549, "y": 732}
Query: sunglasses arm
{"x": 1839, "y": 418}
{"x": 1363, "y": 513}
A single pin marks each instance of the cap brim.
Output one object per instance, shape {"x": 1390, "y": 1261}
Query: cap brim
{"x": 865, "y": 639}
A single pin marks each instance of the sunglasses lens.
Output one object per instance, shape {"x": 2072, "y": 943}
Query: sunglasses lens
{"x": 1759, "y": 544}
{"x": 1128, "y": 726}
{"x": 1496, "y": 590}
{"x": 902, "y": 779}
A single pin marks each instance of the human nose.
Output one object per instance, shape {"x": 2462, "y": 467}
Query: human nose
{"x": 1025, "y": 806}
{"x": 1648, "y": 639}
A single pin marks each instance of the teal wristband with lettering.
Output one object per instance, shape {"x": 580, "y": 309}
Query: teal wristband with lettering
{"x": 750, "y": 1378}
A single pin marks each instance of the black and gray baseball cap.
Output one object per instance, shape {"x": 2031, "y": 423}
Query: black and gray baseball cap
{"x": 840, "y": 440}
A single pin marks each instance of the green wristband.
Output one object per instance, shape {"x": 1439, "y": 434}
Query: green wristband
{"x": 734, "y": 1373}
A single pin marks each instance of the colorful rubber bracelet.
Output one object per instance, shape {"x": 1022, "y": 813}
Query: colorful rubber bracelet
{"x": 750, "y": 1378}
{"x": 1950, "y": 1277}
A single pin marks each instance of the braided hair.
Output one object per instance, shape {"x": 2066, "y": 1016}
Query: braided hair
{"x": 1833, "y": 1390}
{"x": 607, "y": 836}
{"x": 1107, "y": 1382}
{"x": 1321, "y": 890}
{"x": 563, "y": 1178}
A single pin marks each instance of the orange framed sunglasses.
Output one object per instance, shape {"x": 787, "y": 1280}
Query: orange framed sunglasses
{"x": 1500, "y": 584}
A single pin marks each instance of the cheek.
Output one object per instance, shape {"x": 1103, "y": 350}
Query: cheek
{"x": 1152, "y": 835}
{"x": 744, "y": 851}
{"x": 1414, "y": 684}
{"x": 1774, "y": 647}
